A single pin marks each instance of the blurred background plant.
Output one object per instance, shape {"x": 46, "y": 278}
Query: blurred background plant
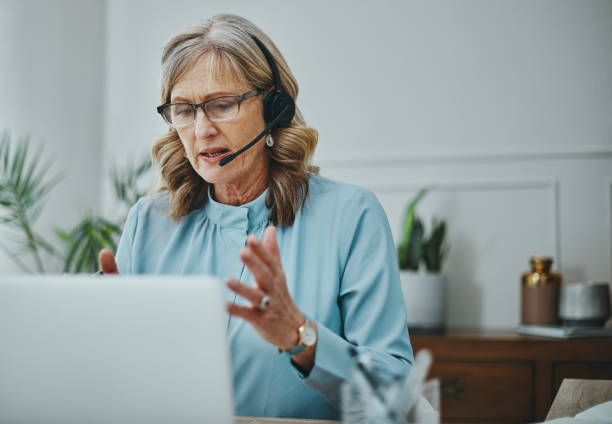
{"x": 24, "y": 187}
{"x": 415, "y": 248}
{"x": 93, "y": 233}
{"x": 23, "y": 192}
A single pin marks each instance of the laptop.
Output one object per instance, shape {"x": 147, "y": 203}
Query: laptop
{"x": 91, "y": 349}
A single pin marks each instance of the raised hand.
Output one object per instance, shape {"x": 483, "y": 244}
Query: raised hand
{"x": 278, "y": 321}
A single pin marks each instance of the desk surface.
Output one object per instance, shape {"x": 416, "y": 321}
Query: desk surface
{"x": 257, "y": 420}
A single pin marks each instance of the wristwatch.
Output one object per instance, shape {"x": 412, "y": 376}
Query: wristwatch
{"x": 307, "y": 336}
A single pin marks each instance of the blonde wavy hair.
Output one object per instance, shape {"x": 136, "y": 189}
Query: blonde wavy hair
{"x": 233, "y": 55}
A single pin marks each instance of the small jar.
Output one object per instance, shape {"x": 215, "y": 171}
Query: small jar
{"x": 540, "y": 293}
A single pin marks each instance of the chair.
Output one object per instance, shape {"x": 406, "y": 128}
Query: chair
{"x": 575, "y": 396}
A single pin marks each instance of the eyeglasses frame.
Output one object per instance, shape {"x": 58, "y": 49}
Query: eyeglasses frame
{"x": 239, "y": 97}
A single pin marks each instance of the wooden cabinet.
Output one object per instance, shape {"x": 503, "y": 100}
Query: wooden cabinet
{"x": 470, "y": 386}
{"x": 502, "y": 377}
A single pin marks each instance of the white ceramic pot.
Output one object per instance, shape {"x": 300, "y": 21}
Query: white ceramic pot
{"x": 425, "y": 298}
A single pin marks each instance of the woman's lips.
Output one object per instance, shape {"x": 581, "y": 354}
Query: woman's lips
{"x": 214, "y": 156}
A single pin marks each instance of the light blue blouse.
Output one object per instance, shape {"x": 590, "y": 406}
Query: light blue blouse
{"x": 341, "y": 270}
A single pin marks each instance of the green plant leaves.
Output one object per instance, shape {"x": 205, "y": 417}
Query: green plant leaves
{"x": 93, "y": 233}
{"x": 125, "y": 181}
{"x": 433, "y": 248}
{"x": 24, "y": 186}
{"x": 409, "y": 218}
{"x": 23, "y": 192}
{"x": 86, "y": 240}
{"x": 410, "y": 253}
{"x": 414, "y": 247}
{"x": 409, "y": 250}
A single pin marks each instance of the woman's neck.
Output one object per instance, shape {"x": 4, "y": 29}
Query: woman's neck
{"x": 243, "y": 192}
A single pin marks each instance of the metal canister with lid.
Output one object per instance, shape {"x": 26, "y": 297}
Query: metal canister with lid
{"x": 584, "y": 304}
{"x": 540, "y": 293}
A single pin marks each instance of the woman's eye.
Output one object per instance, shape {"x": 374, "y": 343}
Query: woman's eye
{"x": 183, "y": 110}
{"x": 222, "y": 105}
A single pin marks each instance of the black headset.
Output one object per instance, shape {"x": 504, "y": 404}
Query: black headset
{"x": 277, "y": 104}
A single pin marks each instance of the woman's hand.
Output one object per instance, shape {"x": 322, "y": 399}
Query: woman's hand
{"x": 279, "y": 322}
{"x": 107, "y": 263}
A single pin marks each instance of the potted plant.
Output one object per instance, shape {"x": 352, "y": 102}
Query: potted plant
{"x": 93, "y": 233}
{"x": 420, "y": 260}
{"x": 24, "y": 186}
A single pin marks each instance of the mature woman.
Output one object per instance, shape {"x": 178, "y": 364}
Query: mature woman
{"x": 309, "y": 263}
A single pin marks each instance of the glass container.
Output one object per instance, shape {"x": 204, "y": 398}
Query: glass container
{"x": 540, "y": 293}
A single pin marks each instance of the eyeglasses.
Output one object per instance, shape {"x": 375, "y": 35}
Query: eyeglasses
{"x": 217, "y": 109}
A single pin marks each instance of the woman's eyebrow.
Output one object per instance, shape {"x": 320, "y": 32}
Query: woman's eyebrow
{"x": 208, "y": 96}
{"x": 180, "y": 99}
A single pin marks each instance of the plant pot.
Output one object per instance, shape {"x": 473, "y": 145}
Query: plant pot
{"x": 425, "y": 298}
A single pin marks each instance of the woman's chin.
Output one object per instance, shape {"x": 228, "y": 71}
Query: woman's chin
{"x": 213, "y": 174}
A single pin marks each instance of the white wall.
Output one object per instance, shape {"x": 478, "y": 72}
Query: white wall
{"x": 444, "y": 77}
{"x": 51, "y": 75}
{"x": 505, "y": 106}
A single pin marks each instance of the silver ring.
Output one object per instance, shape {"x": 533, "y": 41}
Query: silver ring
{"x": 264, "y": 303}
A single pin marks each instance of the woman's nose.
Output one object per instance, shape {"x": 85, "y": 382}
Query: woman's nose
{"x": 203, "y": 127}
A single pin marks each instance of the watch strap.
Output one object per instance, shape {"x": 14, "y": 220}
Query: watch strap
{"x": 299, "y": 347}
{"x": 294, "y": 351}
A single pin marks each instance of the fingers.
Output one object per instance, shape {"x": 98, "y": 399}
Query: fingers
{"x": 260, "y": 250}
{"x": 269, "y": 241}
{"x": 248, "y": 313}
{"x": 107, "y": 262}
{"x": 252, "y": 294}
{"x": 263, "y": 263}
{"x": 260, "y": 270}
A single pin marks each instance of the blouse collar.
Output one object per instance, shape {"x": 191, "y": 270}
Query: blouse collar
{"x": 244, "y": 216}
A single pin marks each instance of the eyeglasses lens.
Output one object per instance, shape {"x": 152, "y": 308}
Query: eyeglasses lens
{"x": 222, "y": 109}
{"x": 218, "y": 110}
{"x": 180, "y": 115}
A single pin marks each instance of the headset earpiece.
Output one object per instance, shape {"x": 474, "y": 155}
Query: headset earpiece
{"x": 277, "y": 103}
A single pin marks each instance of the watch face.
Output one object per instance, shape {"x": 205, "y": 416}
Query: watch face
{"x": 309, "y": 336}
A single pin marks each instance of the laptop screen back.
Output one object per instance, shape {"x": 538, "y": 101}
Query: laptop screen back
{"x": 113, "y": 349}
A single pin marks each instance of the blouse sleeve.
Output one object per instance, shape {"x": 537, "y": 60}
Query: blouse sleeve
{"x": 124, "y": 255}
{"x": 371, "y": 303}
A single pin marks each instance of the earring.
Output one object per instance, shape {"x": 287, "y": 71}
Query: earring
{"x": 269, "y": 140}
